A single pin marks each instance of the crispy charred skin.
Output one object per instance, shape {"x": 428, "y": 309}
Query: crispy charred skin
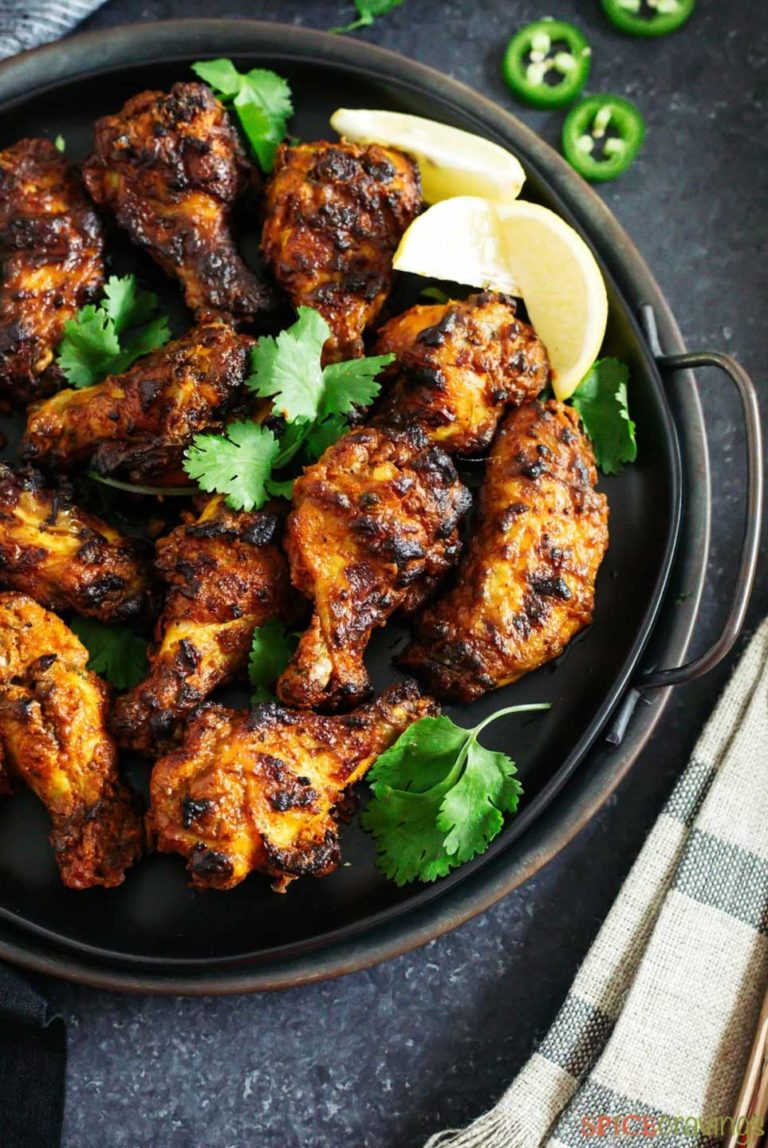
{"x": 138, "y": 424}
{"x": 527, "y": 583}
{"x": 170, "y": 167}
{"x": 259, "y": 790}
{"x": 63, "y": 556}
{"x": 459, "y": 365}
{"x": 53, "y": 733}
{"x": 335, "y": 213}
{"x": 374, "y": 527}
{"x": 51, "y": 260}
{"x": 226, "y": 575}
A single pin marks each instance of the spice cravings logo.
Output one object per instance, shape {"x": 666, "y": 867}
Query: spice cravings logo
{"x": 612, "y": 1125}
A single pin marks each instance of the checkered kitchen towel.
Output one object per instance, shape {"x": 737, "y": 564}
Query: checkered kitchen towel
{"x": 661, "y": 1015}
{"x": 27, "y": 23}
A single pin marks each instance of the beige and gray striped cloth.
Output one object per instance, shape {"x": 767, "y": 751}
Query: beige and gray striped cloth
{"x": 27, "y": 23}
{"x": 655, "y": 1033}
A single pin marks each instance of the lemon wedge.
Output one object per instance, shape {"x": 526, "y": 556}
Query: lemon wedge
{"x": 451, "y": 162}
{"x": 521, "y": 249}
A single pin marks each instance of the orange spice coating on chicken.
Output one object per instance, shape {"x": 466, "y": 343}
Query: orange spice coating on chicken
{"x": 53, "y": 737}
{"x": 334, "y": 215}
{"x": 373, "y": 529}
{"x": 170, "y": 166}
{"x": 63, "y": 556}
{"x": 226, "y": 575}
{"x": 526, "y": 585}
{"x": 50, "y": 260}
{"x": 458, "y": 367}
{"x": 259, "y": 790}
{"x": 138, "y": 424}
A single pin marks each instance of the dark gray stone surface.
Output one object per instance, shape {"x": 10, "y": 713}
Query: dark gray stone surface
{"x": 386, "y": 1057}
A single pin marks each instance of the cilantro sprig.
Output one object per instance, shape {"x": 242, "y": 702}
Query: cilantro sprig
{"x": 271, "y": 651}
{"x": 367, "y": 11}
{"x": 601, "y": 400}
{"x": 117, "y": 653}
{"x": 439, "y": 797}
{"x": 261, "y": 99}
{"x": 312, "y": 400}
{"x": 107, "y": 338}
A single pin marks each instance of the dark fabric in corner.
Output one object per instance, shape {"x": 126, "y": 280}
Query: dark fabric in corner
{"x": 33, "y": 1058}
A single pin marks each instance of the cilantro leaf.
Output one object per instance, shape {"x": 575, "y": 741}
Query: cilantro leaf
{"x": 288, "y": 370}
{"x": 88, "y": 348}
{"x": 368, "y": 10}
{"x": 238, "y": 463}
{"x": 106, "y": 339}
{"x": 324, "y": 434}
{"x": 439, "y": 798}
{"x": 311, "y": 399}
{"x": 351, "y": 384}
{"x": 117, "y": 653}
{"x": 435, "y": 293}
{"x": 261, "y": 99}
{"x": 271, "y": 651}
{"x": 601, "y": 400}
{"x": 60, "y": 143}
{"x": 127, "y": 304}
{"x": 472, "y": 811}
{"x": 221, "y": 75}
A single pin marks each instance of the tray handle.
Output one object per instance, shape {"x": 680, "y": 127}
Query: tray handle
{"x": 678, "y": 675}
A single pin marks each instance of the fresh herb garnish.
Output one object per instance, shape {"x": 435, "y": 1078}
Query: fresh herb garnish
{"x": 60, "y": 143}
{"x": 311, "y": 399}
{"x": 367, "y": 12}
{"x": 237, "y": 463}
{"x": 261, "y": 99}
{"x": 601, "y": 400}
{"x": 271, "y": 651}
{"x": 117, "y": 653}
{"x": 287, "y": 369}
{"x": 105, "y": 339}
{"x": 436, "y": 294}
{"x": 439, "y": 797}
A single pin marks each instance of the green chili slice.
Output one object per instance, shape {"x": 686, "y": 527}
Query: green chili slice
{"x": 547, "y": 63}
{"x": 602, "y": 136}
{"x": 648, "y": 17}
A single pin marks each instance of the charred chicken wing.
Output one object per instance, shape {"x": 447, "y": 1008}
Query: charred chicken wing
{"x": 335, "y": 213}
{"x": 226, "y": 575}
{"x": 458, "y": 366}
{"x": 138, "y": 424}
{"x": 259, "y": 790}
{"x": 53, "y": 737}
{"x": 170, "y": 166}
{"x": 64, "y": 557}
{"x": 51, "y": 262}
{"x": 526, "y": 585}
{"x": 374, "y": 527}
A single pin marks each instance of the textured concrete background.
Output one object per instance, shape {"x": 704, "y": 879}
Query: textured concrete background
{"x": 386, "y": 1057}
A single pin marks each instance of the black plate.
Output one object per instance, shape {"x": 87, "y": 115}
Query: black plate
{"x": 154, "y": 932}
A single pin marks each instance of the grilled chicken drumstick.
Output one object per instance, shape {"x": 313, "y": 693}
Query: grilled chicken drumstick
{"x": 258, "y": 790}
{"x": 170, "y": 167}
{"x": 53, "y": 737}
{"x": 374, "y": 527}
{"x": 335, "y": 213}
{"x": 63, "y": 556}
{"x": 458, "y": 367}
{"x": 526, "y": 585}
{"x": 138, "y": 424}
{"x": 50, "y": 259}
{"x": 226, "y": 575}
